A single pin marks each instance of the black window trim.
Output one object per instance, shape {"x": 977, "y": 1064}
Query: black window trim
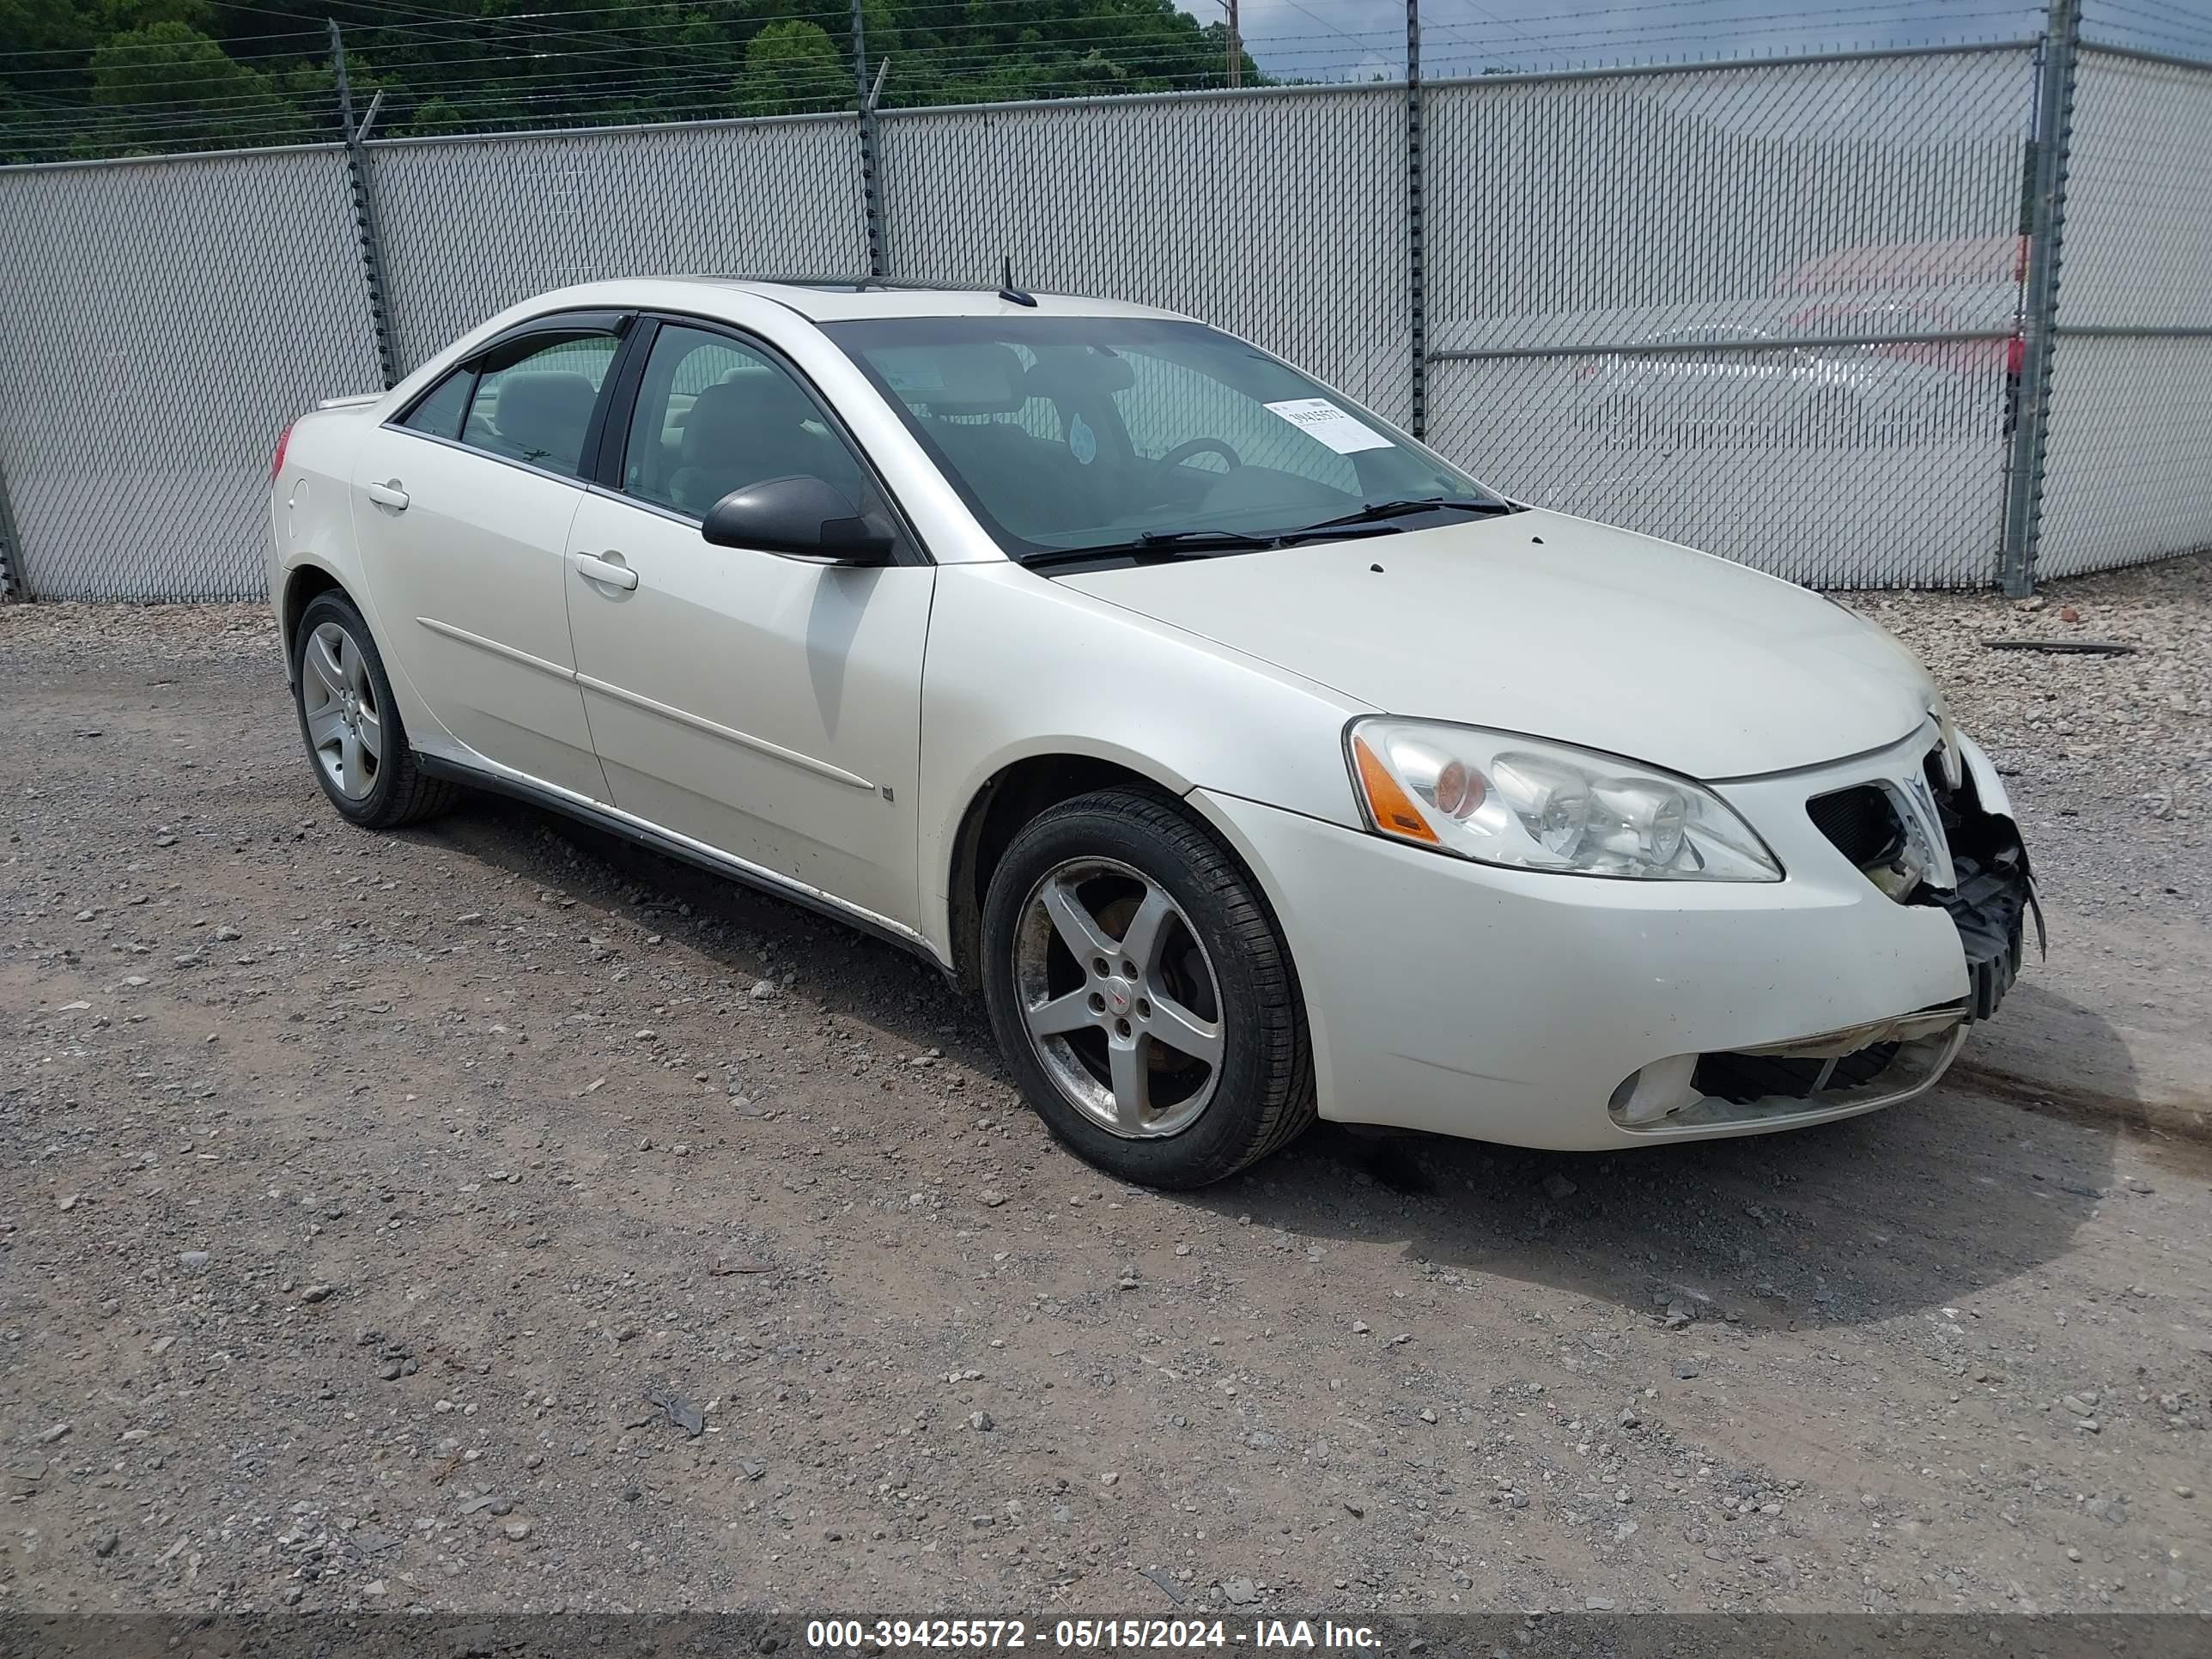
{"x": 618, "y": 410}
{"x": 399, "y": 421}
{"x": 618, "y": 324}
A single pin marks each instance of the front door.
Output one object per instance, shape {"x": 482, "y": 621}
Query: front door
{"x": 766, "y": 707}
{"x": 463, "y": 510}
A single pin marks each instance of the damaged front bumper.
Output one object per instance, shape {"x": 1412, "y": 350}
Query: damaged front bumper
{"x": 1993, "y": 895}
{"x": 1955, "y": 826}
{"x": 1523, "y": 1007}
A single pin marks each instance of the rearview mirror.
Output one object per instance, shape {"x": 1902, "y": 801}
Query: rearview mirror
{"x": 803, "y": 517}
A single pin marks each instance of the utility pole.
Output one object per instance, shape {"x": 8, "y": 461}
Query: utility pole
{"x": 1235, "y": 48}
{"x": 860, "y": 52}
{"x": 364, "y": 210}
{"x": 2039, "y": 323}
{"x": 12, "y": 585}
{"x": 1416, "y": 225}
{"x": 864, "y": 115}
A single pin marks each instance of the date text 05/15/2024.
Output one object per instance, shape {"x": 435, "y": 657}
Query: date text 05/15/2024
{"x": 1084, "y": 1635}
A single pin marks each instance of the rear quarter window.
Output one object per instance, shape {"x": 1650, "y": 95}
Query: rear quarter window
{"x": 441, "y": 414}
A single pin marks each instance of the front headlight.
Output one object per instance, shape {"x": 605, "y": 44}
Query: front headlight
{"x": 1499, "y": 798}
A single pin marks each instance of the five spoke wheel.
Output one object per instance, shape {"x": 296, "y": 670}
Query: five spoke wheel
{"x": 346, "y": 727}
{"x": 1120, "y": 1000}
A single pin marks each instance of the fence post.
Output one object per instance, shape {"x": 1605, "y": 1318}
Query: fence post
{"x": 1416, "y": 224}
{"x": 11, "y": 551}
{"x": 871, "y": 205}
{"x": 364, "y": 210}
{"x": 2054, "y": 134}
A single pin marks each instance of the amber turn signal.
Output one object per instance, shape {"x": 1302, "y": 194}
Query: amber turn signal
{"x": 1387, "y": 804}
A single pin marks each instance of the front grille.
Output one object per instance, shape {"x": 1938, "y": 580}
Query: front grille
{"x": 1742, "y": 1078}
{"x": 1860, "y": 821}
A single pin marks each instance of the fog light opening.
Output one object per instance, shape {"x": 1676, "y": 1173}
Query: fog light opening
{"x": 1652, "y": 1092}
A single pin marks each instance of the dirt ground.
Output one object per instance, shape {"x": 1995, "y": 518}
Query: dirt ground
{"x": 384, "y": 1215}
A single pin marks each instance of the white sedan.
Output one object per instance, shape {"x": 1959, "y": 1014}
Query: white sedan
{"x": 1253, "y": 762}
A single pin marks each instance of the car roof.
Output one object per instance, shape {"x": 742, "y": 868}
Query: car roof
{"x": 845, "y": 298}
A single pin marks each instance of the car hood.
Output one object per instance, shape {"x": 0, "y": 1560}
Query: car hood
{"x": 1557, "y": 627}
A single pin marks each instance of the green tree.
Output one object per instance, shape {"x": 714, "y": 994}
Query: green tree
{"x": 791, "y": 69}
{"x": 150, "y": 85}
{"x": 84, "y": 76}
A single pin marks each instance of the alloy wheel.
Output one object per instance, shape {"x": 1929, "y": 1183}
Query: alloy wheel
{"x": 345, "y": 726}
{"x": 1119, "y": 998}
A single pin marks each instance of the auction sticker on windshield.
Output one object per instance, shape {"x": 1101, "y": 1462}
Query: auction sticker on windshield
{"x": 1319, "y": 419}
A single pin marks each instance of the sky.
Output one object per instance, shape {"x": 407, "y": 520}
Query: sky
{"x": 1360, "y": 39}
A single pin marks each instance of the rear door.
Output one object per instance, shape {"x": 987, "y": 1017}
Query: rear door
{"x": 462, "y": 506}
{"x": 768, "y": 707}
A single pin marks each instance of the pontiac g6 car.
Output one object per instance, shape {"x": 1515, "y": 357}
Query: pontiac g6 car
{"x": 1252, "y": 761}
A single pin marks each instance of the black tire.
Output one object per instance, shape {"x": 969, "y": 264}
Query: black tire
{"x": 400, "y": 792}
{"x": 1263, "y": 1088}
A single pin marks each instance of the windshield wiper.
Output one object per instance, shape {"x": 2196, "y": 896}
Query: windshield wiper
{"x": 1203, "y": 542}
{"x": 1375, "y": 512}
{"x": 1202, "y": 538}
{"x": 1153, "y": 545}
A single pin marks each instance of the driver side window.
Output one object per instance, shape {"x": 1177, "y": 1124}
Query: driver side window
{"x": 713, "y": 415}
{"x": 1167, "y": 406}
{"x": 534, "y": 400}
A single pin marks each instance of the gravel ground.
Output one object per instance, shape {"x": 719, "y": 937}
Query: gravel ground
{"x": 2111, "y": 756}
{"x": 493, "y": 1217}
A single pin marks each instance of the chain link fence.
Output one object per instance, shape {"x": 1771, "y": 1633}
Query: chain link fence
{"x": 1279, "y": 213}
{"x": 1769, "y": 308}
{"x": 2128, "y": 475}
{"x": 162, "y": 322}
{"x": 472, "y": 226}
{"x": 1764, "y": 310}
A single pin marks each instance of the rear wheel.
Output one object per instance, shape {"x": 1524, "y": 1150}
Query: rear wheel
{"x": 355, "y": 742}
{"x": 1142, "y": 994}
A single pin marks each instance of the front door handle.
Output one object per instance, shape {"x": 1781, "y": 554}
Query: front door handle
{"x": 388, "y": 494}
{"x": 610, "y": 570}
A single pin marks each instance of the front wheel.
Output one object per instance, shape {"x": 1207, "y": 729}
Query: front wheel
{"x": 1142, "y": 994}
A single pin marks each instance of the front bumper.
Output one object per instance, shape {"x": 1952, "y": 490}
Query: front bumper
{"x": 1576, "y": 1013}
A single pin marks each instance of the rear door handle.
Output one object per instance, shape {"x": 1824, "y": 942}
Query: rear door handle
{"x": 388, "y": 494}
{"x": 613, "y": 573}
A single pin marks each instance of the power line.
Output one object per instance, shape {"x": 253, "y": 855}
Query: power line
{"x": 1886, "y": 11}
{"x": 478, "y": 66}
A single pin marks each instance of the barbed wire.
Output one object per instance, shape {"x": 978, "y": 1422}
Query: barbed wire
{"x": 2166, "y": 25}
{"x": 519, "y": 71}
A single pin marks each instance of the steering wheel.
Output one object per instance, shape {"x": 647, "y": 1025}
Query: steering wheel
{"x": 1183, "y": 452}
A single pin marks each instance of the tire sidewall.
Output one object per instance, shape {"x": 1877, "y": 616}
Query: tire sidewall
{"x": 1259, "y": 1036}
{"x": 330, "y": 607}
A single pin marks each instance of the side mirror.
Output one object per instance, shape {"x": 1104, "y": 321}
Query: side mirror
{"x": 803, "y": 517}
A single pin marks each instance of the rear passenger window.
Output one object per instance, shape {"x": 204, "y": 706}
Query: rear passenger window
{"x": 441, "y": 414}
{"x": 533, "y": 401}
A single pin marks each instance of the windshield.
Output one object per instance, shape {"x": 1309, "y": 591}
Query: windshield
{"x": 1122, "y": 434}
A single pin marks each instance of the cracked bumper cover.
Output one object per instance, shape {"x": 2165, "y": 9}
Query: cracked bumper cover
{"x": 1515, "y": 1006}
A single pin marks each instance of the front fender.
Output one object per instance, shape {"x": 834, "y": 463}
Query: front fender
{"x": 1019, "y": 666}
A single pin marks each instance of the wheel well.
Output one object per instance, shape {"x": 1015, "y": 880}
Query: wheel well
{"x": 304, "y": 583}
{"x": 1010, "y": 800}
